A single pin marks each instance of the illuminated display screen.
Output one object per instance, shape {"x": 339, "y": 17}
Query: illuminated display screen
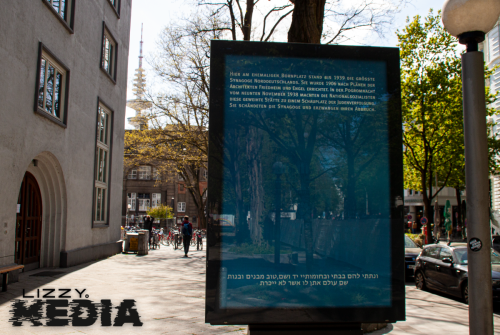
{"x": 305, "y": 184}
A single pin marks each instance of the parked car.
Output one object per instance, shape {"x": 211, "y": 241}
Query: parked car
{"x": 495, "y": 242}
{"x": 412, "y": 250}
{"x": 443, "y": 267}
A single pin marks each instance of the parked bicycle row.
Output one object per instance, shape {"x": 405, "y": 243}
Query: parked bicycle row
{"x": 181, "y": 237}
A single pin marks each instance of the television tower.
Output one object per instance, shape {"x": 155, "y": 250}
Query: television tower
{"x": 139, "y": 104}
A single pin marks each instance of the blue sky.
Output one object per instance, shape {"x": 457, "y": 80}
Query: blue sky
{"x": 156, "y": 14}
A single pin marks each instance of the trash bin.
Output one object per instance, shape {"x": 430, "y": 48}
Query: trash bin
{"x": 131, "y": 242}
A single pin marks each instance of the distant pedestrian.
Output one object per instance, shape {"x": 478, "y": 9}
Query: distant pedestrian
{"x": 187, "y": 233}
{"x": 148, "y": 225}
{"x": 414, "y": 227}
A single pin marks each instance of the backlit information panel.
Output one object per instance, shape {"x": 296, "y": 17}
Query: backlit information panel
{"x": 305, "y": 207}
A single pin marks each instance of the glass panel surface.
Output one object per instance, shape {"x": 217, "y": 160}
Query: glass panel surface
{"x": 305, "y": 212}
{"x": 103, "y": 206}
{"x": 433, "y": 252}
{"x": 106, "y": 129}
{"x": 110, "y": 58}
{"x": 57, "y": 95}
{"x": 50, "y": 88}
{"x": 63, "y": 9}
{"x": 445, "y": 253}
{"x": 99, "y": 164}
{"x": 104, "y": 165}
{"x": 55, "y": 4}
{"x": 145, "y": 172}
{"x": 98, "y": 204}
{"x": 495, "y": 256}
{"x": 105, "y": 61}
{"x": 131, "y": 200}
{"x": 101, "y": 125}
{"x": 409, "y": 243}
{"x": 42, "y": 83}
{"x": 132, "y": 174}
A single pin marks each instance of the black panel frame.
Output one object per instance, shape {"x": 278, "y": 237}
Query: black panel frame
{"x": 216, "y": 316}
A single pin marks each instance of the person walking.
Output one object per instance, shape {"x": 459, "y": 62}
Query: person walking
{"x": 148, "y": 225}
{"x": 414, "y": 227}
{"x": 187, "y": 233}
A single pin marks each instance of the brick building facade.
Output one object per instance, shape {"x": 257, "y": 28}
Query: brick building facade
{"x": 143, "y": 187}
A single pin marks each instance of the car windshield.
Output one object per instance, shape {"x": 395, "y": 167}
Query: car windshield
{"x": 462, "y": 256}
{"x": 409, "y": 243}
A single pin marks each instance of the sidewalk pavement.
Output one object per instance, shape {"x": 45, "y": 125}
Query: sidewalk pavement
{"x": 434, "y": 313}
{"x": 169, "y": 291}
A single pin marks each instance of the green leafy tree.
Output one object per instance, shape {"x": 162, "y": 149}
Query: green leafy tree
{"x": 432, "y": 109}
{"x": 161, "y": 212}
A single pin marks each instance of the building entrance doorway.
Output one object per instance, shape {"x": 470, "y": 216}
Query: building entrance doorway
{"x": 28, "y": 224}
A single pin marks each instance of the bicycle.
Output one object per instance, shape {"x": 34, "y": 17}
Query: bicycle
{"x": 199, "y": 240}
{"x": 154, "y": 241}
{"x": 175, "y": 243}
{"x": 166, "y": 239}
{"x": 161, "y": 237}
{"x": 157, "y": 238}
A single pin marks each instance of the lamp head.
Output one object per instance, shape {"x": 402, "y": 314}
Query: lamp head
{"x": 469, "y": 20}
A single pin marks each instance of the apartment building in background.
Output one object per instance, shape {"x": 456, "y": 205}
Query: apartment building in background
{"x": 144, "y": 187}
{"x": 491, "y": 51}
{"x": 63, "y": 92}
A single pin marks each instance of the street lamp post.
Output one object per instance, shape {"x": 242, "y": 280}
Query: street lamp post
{"x": 128, "y": 208}
{"x": 469, "y": 20}
{"x": 172, "y": 203}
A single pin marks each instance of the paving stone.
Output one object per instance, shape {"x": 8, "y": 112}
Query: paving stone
{"x": 169, "y": 291}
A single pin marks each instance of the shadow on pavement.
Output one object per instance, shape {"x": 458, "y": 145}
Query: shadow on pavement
{"x": 496, "y": 304}
{"x": 28, "y": 281}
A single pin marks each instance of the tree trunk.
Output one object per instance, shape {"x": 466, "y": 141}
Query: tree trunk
{"x": 247, "y": 21}
{"x": 350, "y": 200}
{"x": 427, "y": 205}
{"x": 304, "y": 212}
{"x": 307, "y": 21}
{"x": 240, "y": 218}
{"x": 428, "y": 208}
{"x": 201, "y": 217}
{"x": 459, "y": 207}
{"x": 254, "y": 147}
{"x": 306, "y": 27}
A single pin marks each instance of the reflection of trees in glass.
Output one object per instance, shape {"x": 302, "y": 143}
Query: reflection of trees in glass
{"x": 50, "y": 88}
{"x": 237, "y": 22}
{"x": 42, "y": 84}
{"x": 293, "y": 133}
{"x": 322, "y": 152}
{"x": 351, "y": 142}
{"x": 235, "y": 167}
{"x": 255, "y": 187}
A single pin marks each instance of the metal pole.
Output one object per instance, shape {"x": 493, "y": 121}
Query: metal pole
{"x": 476, "y": 174}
